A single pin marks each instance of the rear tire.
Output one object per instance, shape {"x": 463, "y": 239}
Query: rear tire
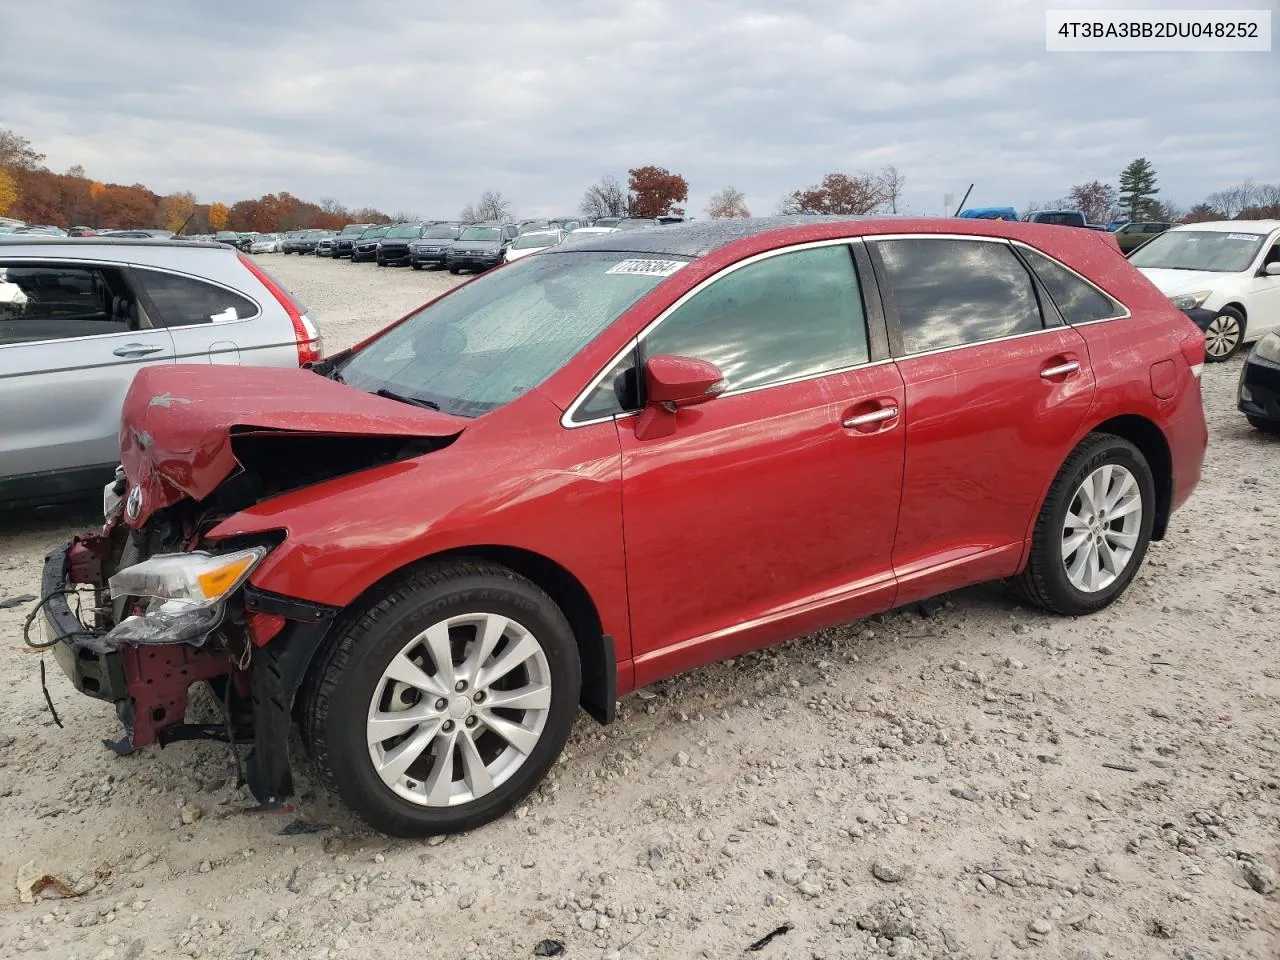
{"x": 416, "y": 266}
{"x": 454, "y": 271}
{"x": 387, "y": 661}
{"x": 1087, "y": 544}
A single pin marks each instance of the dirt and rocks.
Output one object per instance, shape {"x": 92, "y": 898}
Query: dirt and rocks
{"x": 971, "y": 778}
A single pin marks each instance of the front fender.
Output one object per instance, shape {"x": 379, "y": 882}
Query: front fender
{"x": 345, "y": 535}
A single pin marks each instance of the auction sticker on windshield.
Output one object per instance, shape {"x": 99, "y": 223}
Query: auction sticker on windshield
{"x": 647, "y": 268}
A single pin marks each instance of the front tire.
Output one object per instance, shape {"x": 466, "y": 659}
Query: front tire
{"x": 1224, "y": 335}
{"x": 1093, "y": 529}
{"x": 447, "y": 699}
{"x": 1266, "y": 426}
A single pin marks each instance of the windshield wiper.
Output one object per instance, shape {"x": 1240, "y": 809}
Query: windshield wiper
{"x": 412, "y": 401}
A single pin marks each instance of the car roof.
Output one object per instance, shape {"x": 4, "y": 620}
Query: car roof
{"x": 1233, "y": 226}
{"x": 40, "y": 240}
{"x": 698, "y": 238}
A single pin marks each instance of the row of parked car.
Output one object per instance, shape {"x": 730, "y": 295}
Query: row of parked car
{"x": 1129, "y": 234}
{"x": 437, "y": 244}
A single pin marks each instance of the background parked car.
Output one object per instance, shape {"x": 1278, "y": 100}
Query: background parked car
{"x": 345, "y": 241}
{"x": 587, "y": 233}
{"x": 480, "y": 246}
{"x": 1224, "y": 275}
{"x": 324, "y": 246}
{"x": 266, "y": 243}
{"x": 307, "y": 242}
{"x": 1260, "y": 384}
{"x": 366, "y": 245}
{"x": 638, "y": 223}
{"x": 607, "y": 221}
{"x": 532, "y": 242}
{"x": 1135, "y": 233}
{"x": 393, "y": 249}
{"x": 430, "y": 249}
{"x": 79, "y": 317}
{"x": 1058, "y": 218}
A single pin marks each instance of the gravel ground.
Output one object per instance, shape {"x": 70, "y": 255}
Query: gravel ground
{"x": 968, "y": 779}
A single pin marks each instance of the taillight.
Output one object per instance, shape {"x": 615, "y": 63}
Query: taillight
{"x": 1193, "y": 350}
{"x": 310, "y": 343}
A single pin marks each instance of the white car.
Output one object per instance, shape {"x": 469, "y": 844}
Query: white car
{"x": 1225, "y": 276}
{"x": 267, "y": 243}
{"x": 532, "y": 242}
{"x": 588, "y": 233}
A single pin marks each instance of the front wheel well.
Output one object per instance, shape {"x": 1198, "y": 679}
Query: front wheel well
{"x": 1150, "y": 439}
{"x": 1239, "y": 308}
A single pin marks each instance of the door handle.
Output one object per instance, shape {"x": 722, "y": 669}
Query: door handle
{"x": 875, "y": 416}
{"x": 1061, "y": 370}
{"x": 135, "y": 350}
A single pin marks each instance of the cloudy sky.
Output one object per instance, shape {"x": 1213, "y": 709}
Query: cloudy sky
{"x": 419, "y": 106}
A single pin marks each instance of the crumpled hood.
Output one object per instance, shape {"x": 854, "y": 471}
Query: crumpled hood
{"x": 1173, "y": 283}
{"x": 178, "y": 422}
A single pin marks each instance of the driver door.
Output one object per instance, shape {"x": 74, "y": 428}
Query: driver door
{"x": 769, "y": 511}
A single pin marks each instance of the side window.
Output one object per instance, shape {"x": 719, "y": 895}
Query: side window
{"x": 616, "y": 393}
{"x": 951, "y": 292}
{"x": 59, "y": 302}
{"x": 184, "y": 301}
{"x": 1078, "y": 301}
{"x": 791, "y": 315}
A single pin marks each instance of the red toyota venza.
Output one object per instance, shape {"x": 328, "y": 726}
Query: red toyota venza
{"x": 611, "y": 462}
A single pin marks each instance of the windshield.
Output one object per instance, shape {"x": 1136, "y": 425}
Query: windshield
{"x": 1211, "y": 250}
{"x": 634, "y": 224}
{"x": 489, "y": 341}
{"x": 354, "y": 230}
{"x": 532, "y": 241}
{"x": 481, "y": 233}
{"x": 441, "y": 233}
{"x": 373, "y": 233}
{"x": 227, "y": 235}
{"x": 399, "y": 232}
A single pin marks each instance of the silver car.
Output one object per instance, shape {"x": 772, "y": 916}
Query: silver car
{"x": 79, "y": 317}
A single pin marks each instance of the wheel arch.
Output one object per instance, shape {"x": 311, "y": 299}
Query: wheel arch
{"x": 1150, "y": 439}
{"x": 596, "y": 651}
{"x": 1238, "y": 307}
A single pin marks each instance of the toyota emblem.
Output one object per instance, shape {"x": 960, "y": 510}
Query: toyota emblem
{"x": 133, "y": 506}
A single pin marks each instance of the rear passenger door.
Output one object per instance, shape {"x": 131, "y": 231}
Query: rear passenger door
{"x": 209, "y": 323}
{"x": 72, "y": 336}
{"x": 996, "y": 389}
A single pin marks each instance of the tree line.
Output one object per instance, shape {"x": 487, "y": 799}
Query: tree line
{"x": 1135, "y": 196}
{"x": 31, "y": 192}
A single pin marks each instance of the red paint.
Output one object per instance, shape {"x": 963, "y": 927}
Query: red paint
{"x": 1164, "y": 379}
{"x": 757, "y": 517}
{"x": 175, "y": 432}
{"x": 158, "y": 676}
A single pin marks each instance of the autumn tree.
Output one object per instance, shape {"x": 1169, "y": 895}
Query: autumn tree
{"x": 126, "y": 208}
{"x": 655, "y": 191}
{"x": 1138, "y": 189}
{"x": 16, "y": 153}
{"x": 606, "y": 198}
{"x": 1202, "y": 213}
{"x": 1095, "y": 199}
{"x": 75, "y": 170}
{"x": 492, "y": 205}
{"x": 840, "y": 194}
{"x": 728, "y": 204}
{"x": 176, "y": 209}
{"x": 218, "y": 214}
{"x": 8, "y": 192}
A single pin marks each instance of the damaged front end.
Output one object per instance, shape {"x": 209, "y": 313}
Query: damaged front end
{"x": 171, "y": 616}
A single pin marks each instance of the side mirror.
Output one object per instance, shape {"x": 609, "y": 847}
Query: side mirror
{"x": 1271, "y": 270}
{"x": 672, "y": 383}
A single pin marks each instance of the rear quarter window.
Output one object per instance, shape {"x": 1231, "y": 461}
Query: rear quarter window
{"x": 1077, "y": 300}
{"x": 183, "y": 301}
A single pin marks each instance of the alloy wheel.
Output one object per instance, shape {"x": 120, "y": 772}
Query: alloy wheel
{"x": 459, "y": 709}
{"x": 1222, "y": 335}
{"x": 1101, "y": 529}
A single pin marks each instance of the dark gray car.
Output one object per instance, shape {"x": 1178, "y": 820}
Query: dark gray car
{"x": 79, "y": 317}
{"x": 480, "y": 246}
